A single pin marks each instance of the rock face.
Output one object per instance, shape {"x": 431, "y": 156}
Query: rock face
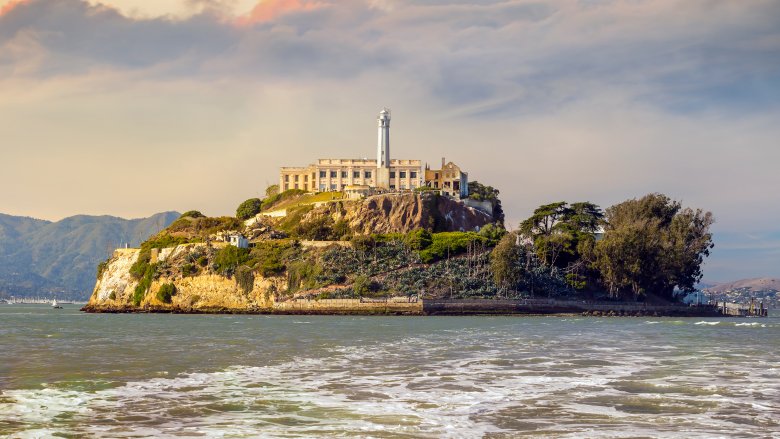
{"x": 401, "y": 213}
{"x": 205, "y": 292}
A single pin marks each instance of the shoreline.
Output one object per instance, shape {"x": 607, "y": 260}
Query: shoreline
{"x": 473, "y": 307}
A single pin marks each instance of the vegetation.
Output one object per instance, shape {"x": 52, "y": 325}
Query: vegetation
{"x": 651, "y": 246}
{"x": 448, "y": 244}
{"x": 144, "y": 283}
{"x": 228, "y": 259}
{"x": 166, "y": 292}
{"x": 248, "y": 208}
{"x": 561, "y": 232}
{"x": 272, "y": 201}
{"x": 481, "y": 192}
{"x": 102, "y": 268}
{"x": 271, "y": 190}
{"x": 245, "y": 278}
{"x": 506, "y": 263}
{"x": 191, "y": 214}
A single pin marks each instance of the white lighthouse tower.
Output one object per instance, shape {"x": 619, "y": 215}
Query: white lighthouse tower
{"x": 383, "y": 149}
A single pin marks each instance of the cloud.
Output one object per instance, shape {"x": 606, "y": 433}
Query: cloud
{"x": 267, "y": 10}
{"x": 547, "y": 100}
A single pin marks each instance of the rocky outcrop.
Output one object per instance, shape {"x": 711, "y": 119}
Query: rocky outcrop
{"x": 202, "y": 292}
{"x": 401, "y": 213}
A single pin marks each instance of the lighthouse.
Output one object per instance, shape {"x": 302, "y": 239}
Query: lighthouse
{"x": 383, "y": 149}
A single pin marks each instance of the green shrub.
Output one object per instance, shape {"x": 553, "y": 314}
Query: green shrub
{"x": 112, "y": 296}
{"x": 276, "y": 198}
{"x": 228, "y": 258}
{"x": 203, "y": 260}
{"x": 191, "y": 214}
{"x": 447, "y": 244}
{"x": 293, "y": 219}
{"x": 144, "y": 283}
{"x": 248, "y": 208}
{"x": 189, "y": 270}
{"x": 419, "y": 239}
{"x": 245, "y": 278}
{"x": 492, "y": 233}
{"x": 166, "y": 292}
{"x": 101, "y": 268}
{"x": 270, "y": 257}
{"x": 303, "y": 274}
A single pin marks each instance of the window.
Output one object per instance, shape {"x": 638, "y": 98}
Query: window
{"x": 403, "y": 185}
{"x": 392, "y": 174}
{"x": 296, "y": 178}
{"x": 436, "y": 175}
{"x": 333, "y": 174}
{"x": 286, "y": 178}
{"x": 368, "y": 174}
{"x": 413, "y": 174}
{"x": 323, "y": 174}
{"x": 403, "y": 174}
{"x": 343, "y": 174}
{"x": 333, "y": 187}
{"x": 306, "y": 178}
{"x": 296, "y": 185}
{"x": 355, "y": 174}
{"x": 392, "y": 186}
{"x": 313, "y": 176}
{"x": 322, "y": 187}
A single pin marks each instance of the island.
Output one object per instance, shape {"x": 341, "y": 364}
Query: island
{"x": 396, "y": 236}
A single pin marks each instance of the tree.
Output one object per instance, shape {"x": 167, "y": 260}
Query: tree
{"x": 481, "y": 192}
{"x": 651, "y": 245}
{"x": 248, "y": 208}
{"x": 272, "y": 190}
{"x": 560, "y": 231}
{"x": 506, "y": 264}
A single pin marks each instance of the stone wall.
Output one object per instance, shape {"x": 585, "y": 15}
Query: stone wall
{"x": 348, "y": 306}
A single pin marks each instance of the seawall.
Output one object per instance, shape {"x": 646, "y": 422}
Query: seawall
{"x": 395, "y": 306}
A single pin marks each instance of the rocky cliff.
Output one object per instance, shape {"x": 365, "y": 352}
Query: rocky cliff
{"x": 401, "y": 213}
{"x": 189, "y": 267}
{"x": 201, "y": 291}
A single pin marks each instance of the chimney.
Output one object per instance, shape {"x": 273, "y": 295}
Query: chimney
{"x": 442, "y": 162}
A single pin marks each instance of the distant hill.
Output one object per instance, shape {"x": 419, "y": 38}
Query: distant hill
{"x": 39, "y": 258}
{"x": 755, "y": 284}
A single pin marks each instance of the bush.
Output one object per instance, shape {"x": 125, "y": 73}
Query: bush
{"x": 189, "y": 270}
{"x": 245, "y": 278}
{"x": 144, "y": 283}
{"x": 419, "y": 239}
{"x": 192, "y": 214}
{"x": 492, "y": 233}
{"x": 447, "y": 244}
{"x": 101, "y": 268}
{"x": 203, "y": 260}
{"x": 228, "y": 258}
{"x": 273, "y": 199}
{"x": 270, "y": 257}
{"x": 248, "y": 209}
{"x": 166, "y": 292}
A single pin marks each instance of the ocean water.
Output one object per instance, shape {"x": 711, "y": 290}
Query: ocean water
{"x": 64, "y": 373}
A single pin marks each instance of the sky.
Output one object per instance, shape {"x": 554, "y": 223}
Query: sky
{"x": 132, "y": 107}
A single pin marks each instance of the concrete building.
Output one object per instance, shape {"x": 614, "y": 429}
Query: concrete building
{"x": 239, "y": 241}
{"x": 362, "y": 177}
{"x": 449, "y": 179}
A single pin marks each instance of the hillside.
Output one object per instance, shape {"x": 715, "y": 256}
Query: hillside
{"x": 395, "y": 245}
{"x": 754, "y": 284}
{"x": 40, "y": 257}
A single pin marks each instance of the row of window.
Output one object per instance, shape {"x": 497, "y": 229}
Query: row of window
{"x": 355, "y": 174}
{"x": 335, "y": 187}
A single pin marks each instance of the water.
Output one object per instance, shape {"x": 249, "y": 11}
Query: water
{"x": 68, "y": 374}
